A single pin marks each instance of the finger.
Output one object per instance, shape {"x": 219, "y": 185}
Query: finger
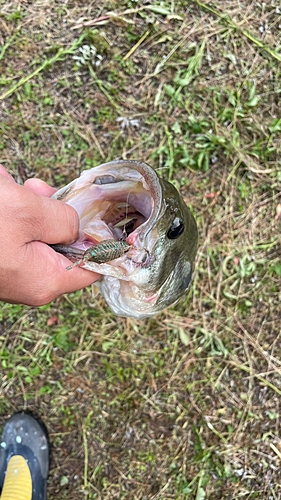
{"x": 69, "y": 281}
{"x": 51, "y": 270}
{"x": 40, "y": 187}
{"x": 39, "y": 217}
{"x": 56, "y": 222}
{"x": 5, "y": 173}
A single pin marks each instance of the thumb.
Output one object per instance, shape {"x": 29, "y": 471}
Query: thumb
{"x": 38, "y": 217}
{"x": 40, "y": 187}
{"x": 54, "y": 221}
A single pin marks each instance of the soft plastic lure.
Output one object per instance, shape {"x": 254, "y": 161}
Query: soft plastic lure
{"x": 105, "y": 251}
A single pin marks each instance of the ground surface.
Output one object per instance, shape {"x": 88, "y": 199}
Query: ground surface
{"x": 185, "y": 405}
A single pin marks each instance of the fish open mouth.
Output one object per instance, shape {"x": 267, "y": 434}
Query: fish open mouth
{"x": 119, "y": 201}
{"x": 115, "y": 201}
{"x": 114, "y": 218}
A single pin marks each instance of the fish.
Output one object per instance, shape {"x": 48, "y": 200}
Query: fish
{"x": 151, "y": 230}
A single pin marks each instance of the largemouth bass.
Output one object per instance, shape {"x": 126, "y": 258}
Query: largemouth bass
{"x": 153, "y": 234}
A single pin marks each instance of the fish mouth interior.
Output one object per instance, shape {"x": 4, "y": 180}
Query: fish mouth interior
{"x": 111, "y": 207}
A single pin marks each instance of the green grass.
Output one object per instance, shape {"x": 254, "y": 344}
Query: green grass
{"x": 184, "y": 405}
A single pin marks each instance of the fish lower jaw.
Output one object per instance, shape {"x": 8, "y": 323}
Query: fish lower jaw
{"x": 126, "y": 299}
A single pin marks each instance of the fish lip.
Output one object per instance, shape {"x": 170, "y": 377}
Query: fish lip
{"x": 155, "y": 188}
{"x": 146, "y": 262}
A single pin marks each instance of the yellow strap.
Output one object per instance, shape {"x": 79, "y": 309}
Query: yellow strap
{"x": 18, "y": 483}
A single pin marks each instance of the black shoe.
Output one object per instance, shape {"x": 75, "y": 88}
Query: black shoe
{"x": 25, "y": 437}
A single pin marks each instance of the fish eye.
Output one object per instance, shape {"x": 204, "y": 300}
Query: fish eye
{"x": 176, "y": 229}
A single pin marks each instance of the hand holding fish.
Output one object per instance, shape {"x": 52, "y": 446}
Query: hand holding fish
{"x": 31, "y": 272}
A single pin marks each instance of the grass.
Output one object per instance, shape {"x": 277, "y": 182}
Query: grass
{"x": 185, "y": 405}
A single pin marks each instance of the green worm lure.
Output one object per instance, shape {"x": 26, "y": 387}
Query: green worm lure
{"x": 104, "y": 251}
